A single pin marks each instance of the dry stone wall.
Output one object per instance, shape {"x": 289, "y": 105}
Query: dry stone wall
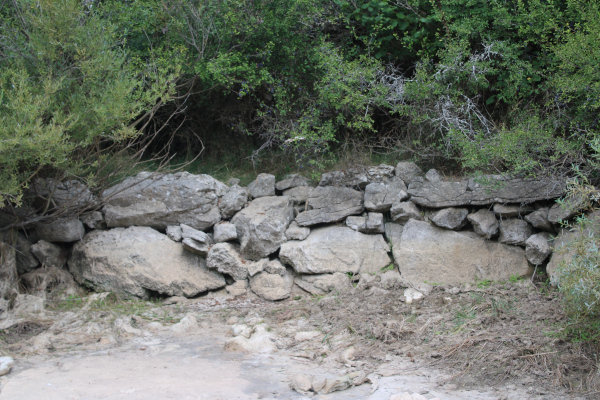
{"x": 183, "y": 234}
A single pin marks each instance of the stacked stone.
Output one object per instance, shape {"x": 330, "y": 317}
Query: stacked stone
{"x": 183, "y": 234}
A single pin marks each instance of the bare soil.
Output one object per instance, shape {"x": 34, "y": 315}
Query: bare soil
{"x": 492, "y": 341}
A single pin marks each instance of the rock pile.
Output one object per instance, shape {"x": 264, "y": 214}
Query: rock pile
{"x": 182, "y": 234}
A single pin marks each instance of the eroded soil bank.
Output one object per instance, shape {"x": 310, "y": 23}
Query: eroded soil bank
{"x": 487, "y": 341}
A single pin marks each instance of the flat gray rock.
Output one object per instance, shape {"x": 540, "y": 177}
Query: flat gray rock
{"x": 196, "y": 247}
{"x": 262, "y": 225}
{"x": 330, "y": 204}
{"x": 450, "y": 218}
{"x": 488, "y": 190}
{"x": 512, "y": 210}
{"x": 187, "y": 232}
{"x": 140, "y": 261}
{"x": 336, "y": 249}
{"x": 161, "y": 200}
{"x": 428, "y": 253}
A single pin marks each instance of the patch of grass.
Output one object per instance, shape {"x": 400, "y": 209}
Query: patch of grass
{"x": 482, "y": 284}
{"x": 388, "y": 268}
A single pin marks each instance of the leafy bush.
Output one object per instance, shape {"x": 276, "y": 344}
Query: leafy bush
{"x": 66, "y": 87}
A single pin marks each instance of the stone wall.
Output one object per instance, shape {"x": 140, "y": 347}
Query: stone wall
{"x": 183, "y": 235}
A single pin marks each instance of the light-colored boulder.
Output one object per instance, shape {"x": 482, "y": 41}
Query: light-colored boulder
{"x": 512, "y": 210}
{"x": 514, "y": 231}
{"x": 428, "y": 253}
{"x": 225, "y": 232}
{"x": 226, "y": 258}
{"x": 405, "y": 210}
{"x": 296, "y": 232}
{"x": 262, "y": 186}
{"x": 233, "y": 201}
{"x": 482, "y": 191}
{"x": 140, "y": 261}
{"x": 272, "y": 286}
{"x": 539, "y": 220}
{"x": 299, "y": 195}
{"x": 160, "y": 200}
{"x": 380, "y": 196}
{"x": 292, "y": 181}
{"x": 336, "y": 249}
{"x": 62, "y": 230}
{"x": 330, "y": 204}
{"x": 408, "y": 171}
{"x": 450, "y": 218}
{"x": 538, "y": 247}
{"x": 261, "y": 226}
{"x": 484, "y": 223}
{"x": 174, "y": 233}
{"x": 322, "y": 284}
{"x": 49, "y": 254}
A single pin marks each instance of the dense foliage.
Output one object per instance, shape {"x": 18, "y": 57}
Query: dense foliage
{"x": 507, "y": 86}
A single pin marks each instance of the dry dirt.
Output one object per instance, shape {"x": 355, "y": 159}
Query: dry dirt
{"x": 492, "y": 341}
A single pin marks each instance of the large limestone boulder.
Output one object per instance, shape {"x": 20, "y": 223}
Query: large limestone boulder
{"x": 140, "y": 261}
{"x": 261, "y": 226}
{"x": 336, "y": 249}
{"x": 488, "y": 190}
{"x": 64, "y": 230}
{"x": 330, "y": 204}
{"x": 428, "y": 253}
{"x": 161, "y": 200}
{"x": 380, "y": 196}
